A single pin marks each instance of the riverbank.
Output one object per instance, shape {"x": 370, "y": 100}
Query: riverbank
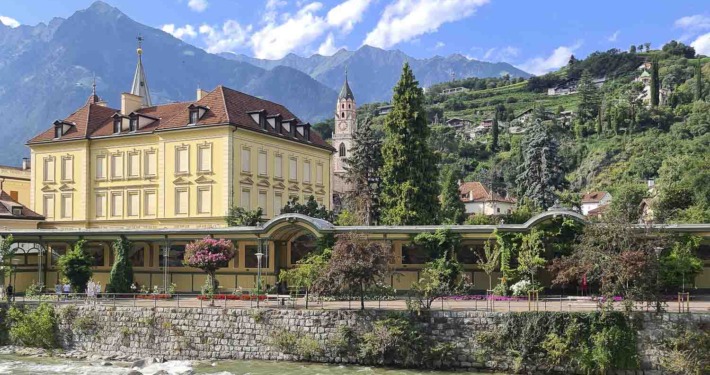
{"x": 559, "y": 342}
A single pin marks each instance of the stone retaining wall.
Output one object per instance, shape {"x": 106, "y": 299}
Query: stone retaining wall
{"x": 193, "y": 333}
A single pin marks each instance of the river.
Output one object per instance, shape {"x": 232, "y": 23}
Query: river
{"x": 32, "y": 366}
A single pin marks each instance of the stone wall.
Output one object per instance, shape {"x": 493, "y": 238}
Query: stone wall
{"x": 214, "y": 333}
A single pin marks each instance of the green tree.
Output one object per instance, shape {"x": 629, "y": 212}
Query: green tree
{"x": 681, "y": 264}
{"x": 530, "y": 258}
{"x": 121, "y": 275}
{"x": 495, "y": 131}
{"x": 363, "y": 173}
{"x": 589, "y": 102}
{"x": 76, "y": 266}
{"x": 541, "y": 174}
{"x": 310, "y": 208}
{"x": 355, "y": 266}
{"x": 307, "y": 272}
{"x": 647, "y": 45}
{"x": 489, "y": 259}
{"x": 409, "y": 181}
{"x": 655, "y": 84}
{"x": 6, "y": 254}
{"x": 632, "y": 49}
{"x": 240, "y": 217}
{"x": 442, "y": 276}
{"x": 453, "y": 211}
{"x": 698, "y": 82}
{"x": 627, "y": 201}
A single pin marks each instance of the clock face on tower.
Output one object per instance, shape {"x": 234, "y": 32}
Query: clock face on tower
{"x": 343, "y": 125}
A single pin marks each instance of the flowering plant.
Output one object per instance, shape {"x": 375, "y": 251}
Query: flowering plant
{"x": 209, "y": 255}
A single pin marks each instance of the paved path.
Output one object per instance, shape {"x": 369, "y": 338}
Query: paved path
{"x": 545, "y": 304}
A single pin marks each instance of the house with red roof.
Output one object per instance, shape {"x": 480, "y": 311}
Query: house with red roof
{"x": 479, "y": 200}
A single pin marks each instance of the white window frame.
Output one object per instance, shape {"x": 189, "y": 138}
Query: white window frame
{"x": 101, "y": 160}
{"x": 48, "y": 165}
{"x": 114, "y": 168}
{"x": 278, "y": 203}
{"x": 262, "y": 163}
{"x": 293, "y": 168}
{"x": 130, "y": 165}
{"x": 278, "y": 166}
{"x": 129, "y": 211}
{"x": 178, "y": 165}
{"x": 201, "y": 189}
{"x": 147, "y": 201}
{"x": 48, "y": 206}
{"x": 66, "y": 176}
{"x": 114, "y": 213}
{"x": 100, "y": 209}
{"x": 147, "y": 163}
{"x": 178, "y": 206}
{"x": 246, "y": 161}
{"x": 200, "y": 149}
{"x": 265, "y": 195}
{"x": 242, "y": 201}
{"x": 307, "y": 171}
{"x": 66, "y": 211}
{"x": 319, "y": 173}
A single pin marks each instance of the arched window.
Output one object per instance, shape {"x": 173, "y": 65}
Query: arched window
{"x": 342, "y": 106}
{"x": 342, "y": 114}
{"x": 342, "y": 150}
{"x": 348, "y": 105}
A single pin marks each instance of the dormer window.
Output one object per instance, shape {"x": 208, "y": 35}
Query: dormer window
{"x": 61, "y": 128}
{"x": 57, "y": 131}
{"x": 117, "y": 126}
{"x": 259, "y": 117}
{"x": 194, "y": 116}
{"x": 16, "y": 211}
{"x": 133, "y": 125}
{"x": 196, "y": 113}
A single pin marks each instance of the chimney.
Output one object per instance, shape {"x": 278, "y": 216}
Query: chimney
{"x": 25, "y": 164}
{"x": 201, "y": 93}
{"x": 130, "y": 103}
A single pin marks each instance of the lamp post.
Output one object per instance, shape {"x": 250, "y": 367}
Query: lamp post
{"x": 258, "y": 277}
{"x": 14, "y": 262}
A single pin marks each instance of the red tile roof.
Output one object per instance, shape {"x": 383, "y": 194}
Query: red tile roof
{"x": 224, "y": 106}
{"x": 6, "y": 205}
{"x": 593, "y": 196}
{"x": 480, "y": 194}
{"x": 599, "y": 211}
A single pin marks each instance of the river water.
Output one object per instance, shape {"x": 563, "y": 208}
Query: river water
{"x": 33, "y": 366}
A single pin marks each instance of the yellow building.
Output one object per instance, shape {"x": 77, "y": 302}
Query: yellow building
{"x": 15, "y": 181}
{"x": 178, "y": 165}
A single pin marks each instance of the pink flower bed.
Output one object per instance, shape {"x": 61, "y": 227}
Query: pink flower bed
{"x": 232, "y": 297}
{"x": 154, "y": 296}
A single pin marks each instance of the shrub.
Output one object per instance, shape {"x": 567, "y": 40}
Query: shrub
{"x": 209, "y": 255}
{"x": 122, "y": 272}
{"x": 35, "y": 328}
{"x": 76, "y": 266}
{"x": 85, "y": 324}
{"x": 686, "y": 350}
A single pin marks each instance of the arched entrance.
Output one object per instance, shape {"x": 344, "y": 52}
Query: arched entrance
{"x": 293, "y": 237}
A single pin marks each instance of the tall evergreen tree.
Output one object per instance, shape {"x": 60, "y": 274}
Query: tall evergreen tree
{"x": 121, "y": 276}
{"x": 409, "y": 179}
{"x": 363, "y": 173}
{"x": 588, "y": 97}
{"x": 541, "y": 174}
{"x": 655, "y": 84}
{"x": 495, "y": 132}
{"x": 453, "y": 210}
{"x": 698, "y": 82}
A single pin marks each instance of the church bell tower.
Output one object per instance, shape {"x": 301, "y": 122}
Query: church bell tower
{"x": 345, "y": 127}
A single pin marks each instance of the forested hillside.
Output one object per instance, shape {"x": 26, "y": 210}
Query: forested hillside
{"x": 625, "y": 134}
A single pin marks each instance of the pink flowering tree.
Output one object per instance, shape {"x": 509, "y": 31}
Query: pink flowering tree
{"x": 209, "y": 255}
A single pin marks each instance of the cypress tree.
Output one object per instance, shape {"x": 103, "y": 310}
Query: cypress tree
{"x": 363, "y": 172}
{"x": 495, "y": 132}
{"x": 655, "y": 84}
{"x": 121, "y": 275}
{"x": 409, "y": 178}
{"x": 698, "y": 82}
{"x": 453, "y": 211}
{"x": 541, "y": 174}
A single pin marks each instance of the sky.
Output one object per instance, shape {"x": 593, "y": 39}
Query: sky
{"x": 535, "y": 35}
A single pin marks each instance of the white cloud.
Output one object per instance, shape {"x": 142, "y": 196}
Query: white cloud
{"x": 694, "y": 22}
{"x": 501, "y": 54}
{"x": 439, "y": 45}
{"x": 406, "y": 19}
{"x": 614, "y": 36}
{"x": 275, "y": 41}
{"x": 328, "y": 47}
{"x": 8, "y": 21}
{"x": 197, "y": 5}
{"x": 231, "y": 36}
{"x": 702, "y": 45}
{"x": 559, "y": 58}
{"x": 346, "y": 14}
{"x": 187, "y": 31}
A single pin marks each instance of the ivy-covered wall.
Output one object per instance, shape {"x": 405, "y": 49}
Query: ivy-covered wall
{"x": 511, "y": 342}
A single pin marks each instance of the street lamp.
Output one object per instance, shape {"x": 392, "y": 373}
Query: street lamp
{"x": 258, "y": 277}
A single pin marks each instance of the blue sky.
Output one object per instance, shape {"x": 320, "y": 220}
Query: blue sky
{"x": 537, "y": 36}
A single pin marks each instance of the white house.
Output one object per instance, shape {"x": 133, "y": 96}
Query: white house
{"x": 593, "y": 199}
{"x": 479, "y": 201}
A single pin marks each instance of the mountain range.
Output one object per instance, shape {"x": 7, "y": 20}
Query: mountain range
{"x": 47, "y": 71}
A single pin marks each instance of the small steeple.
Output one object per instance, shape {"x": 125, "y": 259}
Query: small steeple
{"x": 345, "y": 92}
{"x": 140, "y": 83}
{"x": 93, "y": 99}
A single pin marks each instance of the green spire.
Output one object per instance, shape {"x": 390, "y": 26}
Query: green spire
{"x": 345, "y": 92}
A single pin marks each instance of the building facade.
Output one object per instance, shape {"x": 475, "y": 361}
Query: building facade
{"x": 480, "y": 201}
{"x": 15, "y": 181}
{"x": 178, "y": 165}
{"x": 345, "y": 127}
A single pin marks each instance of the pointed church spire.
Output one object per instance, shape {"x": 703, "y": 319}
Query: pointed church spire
{"x": 140, "y": 83}
{"x": 93, "y": 99}
{"x": 345, "y": 92}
